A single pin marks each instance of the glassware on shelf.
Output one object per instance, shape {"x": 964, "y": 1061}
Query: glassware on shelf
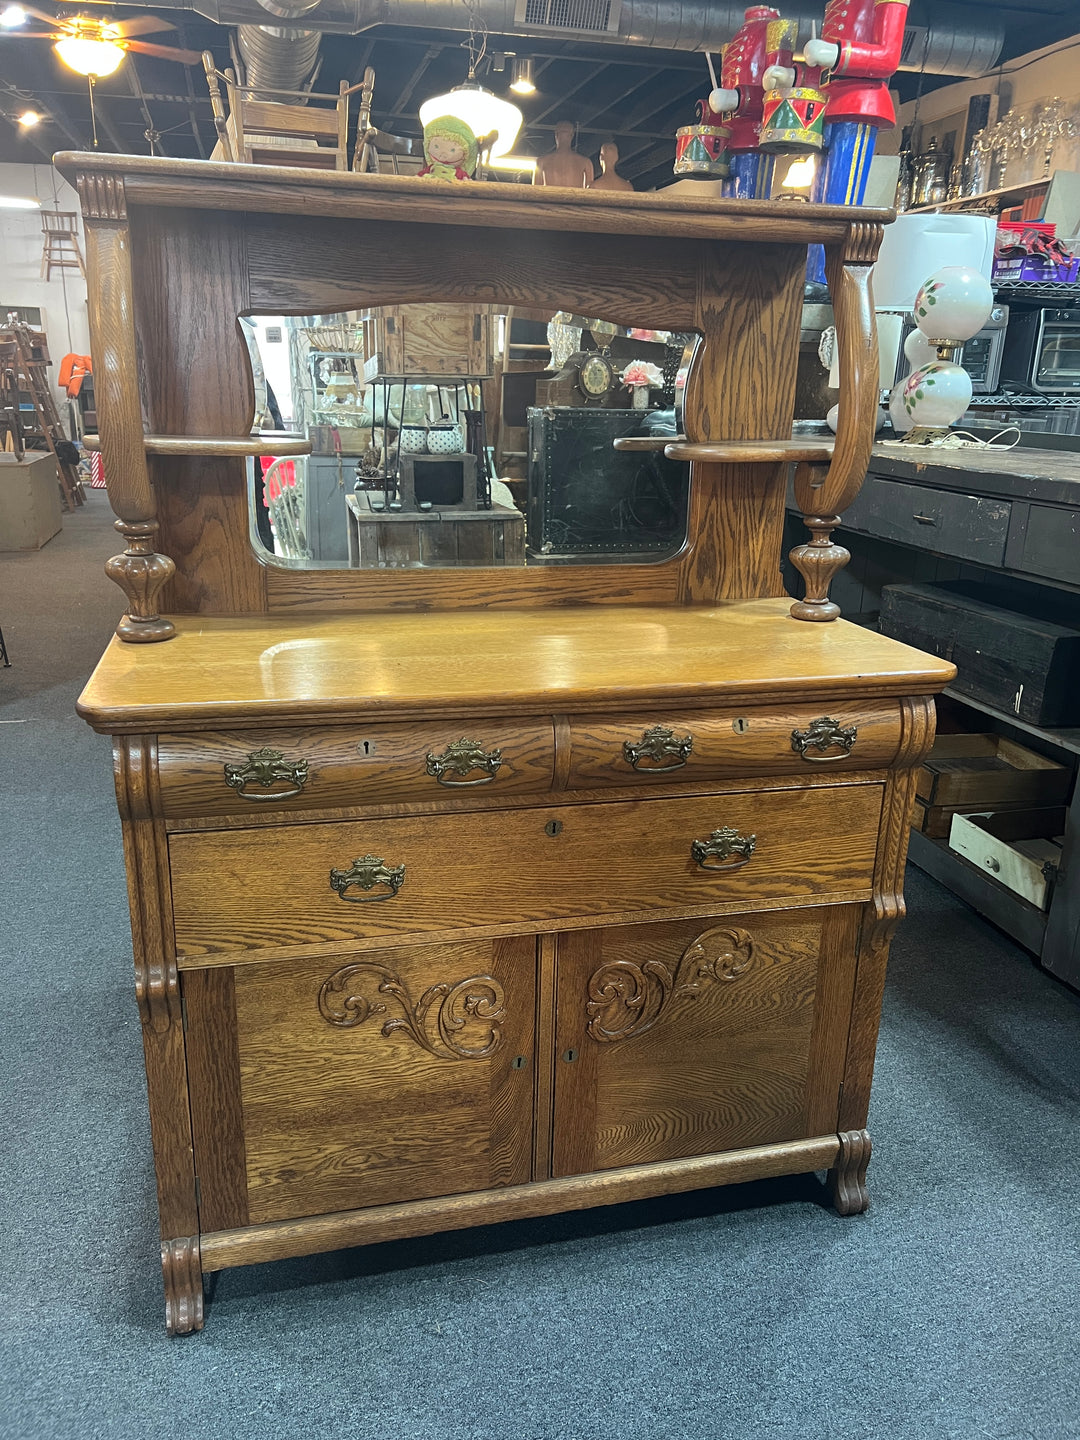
{"x": 930, "y": 176}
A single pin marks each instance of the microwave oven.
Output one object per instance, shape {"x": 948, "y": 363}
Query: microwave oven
{"x": 1042, "y": 350}
{"x": 981, "y": 356}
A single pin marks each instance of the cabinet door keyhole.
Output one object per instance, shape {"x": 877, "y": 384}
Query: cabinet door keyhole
{"x": 569, "y": 1056}
{"x": 518, "y": 1062}
{"x": 740, "y": 726}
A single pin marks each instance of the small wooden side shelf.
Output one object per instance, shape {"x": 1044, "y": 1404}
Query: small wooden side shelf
{"x": 268, "y": 443}
{"x": 575, "y": 883}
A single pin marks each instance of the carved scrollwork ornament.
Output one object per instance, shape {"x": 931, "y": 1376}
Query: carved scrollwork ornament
{"x": 266, "y": 768}
{"x": 444, "y": 1020}
{"x": 460, "y": 759}
{"x": 824, "y": 734}
{"x": 658, "y": 745}
{"x": 627, "y": 999}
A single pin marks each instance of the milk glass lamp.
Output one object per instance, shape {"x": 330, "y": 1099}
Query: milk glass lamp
{"x": 952, "y": 306}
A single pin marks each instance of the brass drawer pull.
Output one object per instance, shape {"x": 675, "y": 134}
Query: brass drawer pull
{"x": 824, "y": 734}
{"x": 367, "y": 872}
{"x": 721, "y": 846}
{"x": 266, "y": 767}
{"x": 656, "y": 745}
{"x": 459, "y": 759}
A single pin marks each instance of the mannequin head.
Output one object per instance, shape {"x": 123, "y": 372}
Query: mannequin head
{"x": 564, "y": 135}
{"x": 609, "y": 157}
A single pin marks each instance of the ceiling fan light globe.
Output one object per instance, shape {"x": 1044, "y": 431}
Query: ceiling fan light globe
{"x": 89, "y": 57}
{"x": 12, "y": 16}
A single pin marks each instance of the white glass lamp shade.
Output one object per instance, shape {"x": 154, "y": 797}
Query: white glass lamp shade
{"x": 919, "y": 350}
{"x": 832, "y": 419}
{"x": 482, "y": 111}
{"x": 954, "y": 304}
{"x": 935, "y": 395}
{"x": 901, "y": 420}
{"x": 89, "y": 57}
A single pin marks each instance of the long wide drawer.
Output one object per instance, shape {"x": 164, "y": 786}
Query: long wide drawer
{"x": 711, "y": 744}
{"x": 269, "y": 887}
{"x": 314, "y": 768}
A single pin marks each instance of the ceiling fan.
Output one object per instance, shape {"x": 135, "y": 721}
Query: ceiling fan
{"x": 96, "y": 47}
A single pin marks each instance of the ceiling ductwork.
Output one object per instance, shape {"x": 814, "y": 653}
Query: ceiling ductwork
{"x": 952, "y": 43}
{"x": 280, "y": 57}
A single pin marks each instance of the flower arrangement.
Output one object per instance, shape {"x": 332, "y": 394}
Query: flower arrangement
{"x": 642, "y": 372}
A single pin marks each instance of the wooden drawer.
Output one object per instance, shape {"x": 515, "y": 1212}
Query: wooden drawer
{"x": 221, "y": 772}
{"x": 989, "y": 771}
{"x": 709, "y": 744}
{"x": 1020, "y": 849}
{"x": 269, "y": 887}
{"x": 971, "y": 527}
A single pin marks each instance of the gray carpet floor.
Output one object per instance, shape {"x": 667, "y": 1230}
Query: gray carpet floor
{"x": 949, "y": 1310}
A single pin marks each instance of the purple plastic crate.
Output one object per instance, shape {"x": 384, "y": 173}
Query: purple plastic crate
{"x": 1038, "y": 269}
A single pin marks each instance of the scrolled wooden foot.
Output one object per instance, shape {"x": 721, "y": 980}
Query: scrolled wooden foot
{"x": 818, "y": 562}
{"x": 847, "y": 1178}
{"x": 141, "y": 572}
{"x": 181, "y": 1269}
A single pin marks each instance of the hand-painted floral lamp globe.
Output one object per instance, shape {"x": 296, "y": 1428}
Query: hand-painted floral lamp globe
{"x": 952, "y": 306}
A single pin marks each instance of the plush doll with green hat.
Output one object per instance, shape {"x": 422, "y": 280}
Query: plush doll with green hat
{"x": 450, "y": 149}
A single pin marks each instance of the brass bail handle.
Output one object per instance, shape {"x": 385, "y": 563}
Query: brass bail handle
{"x": 367, "y": 872}
{"x": 266, "y": 768}
{"x": 460, "y": 759}
{"x": 661, "y": 747}
{"x": 824, "y": 734}
{"x": 726, "y": 847}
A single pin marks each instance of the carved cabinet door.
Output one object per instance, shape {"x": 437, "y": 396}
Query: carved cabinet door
{"x": 698, "y": 1036}
{"x": 333, "y": 1083}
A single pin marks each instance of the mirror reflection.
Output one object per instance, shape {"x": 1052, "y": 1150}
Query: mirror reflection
{"x": 455, "y": 435}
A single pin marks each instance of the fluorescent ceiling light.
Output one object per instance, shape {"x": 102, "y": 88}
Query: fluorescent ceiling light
{"x": 18, "y": 202}
{"x": 482, "y": 111}
{"x": 12, "y": 16}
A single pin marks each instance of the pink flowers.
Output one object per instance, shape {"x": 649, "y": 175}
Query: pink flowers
{"x": 642, "y": 372}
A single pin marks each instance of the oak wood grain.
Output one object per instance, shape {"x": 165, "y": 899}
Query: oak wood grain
{"x": 741, "y": 452}
{"x": 343, "y": 1114}
{"x": 725, "y": 1065}
{"x": 217, "y": 1116}
{"x": 229, "y": 670}
{"x": 256, "y": 1243}
{"x": 359, "y": 765}
{"x": 267, "y": 443}
{"x": 505, "y": 867}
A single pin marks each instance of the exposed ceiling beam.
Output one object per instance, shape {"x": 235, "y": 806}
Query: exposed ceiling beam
{"x": 587, "y": 79}
{"x": 401, "y": 104}
{"x": 193, "y": 118}
{"x": 151, "y": 129}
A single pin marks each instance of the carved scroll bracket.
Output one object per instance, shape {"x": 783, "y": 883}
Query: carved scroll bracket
{"x": 626, "y": 999}
{"x": 444, "y": 1020}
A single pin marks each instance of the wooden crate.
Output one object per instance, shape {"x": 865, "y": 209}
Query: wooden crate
{"x": 1015, "y": 647}
{"x": 1021, "y": 849}
{"x": 431, "y": 342}
{"x": 987, "y": 771}
{"x": 936, "y": 820}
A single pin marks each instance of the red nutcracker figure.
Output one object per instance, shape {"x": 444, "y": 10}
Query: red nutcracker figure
{"x": 762, "y": 40}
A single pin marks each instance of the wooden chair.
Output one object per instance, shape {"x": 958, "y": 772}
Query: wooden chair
{"x": 263, "y": 128}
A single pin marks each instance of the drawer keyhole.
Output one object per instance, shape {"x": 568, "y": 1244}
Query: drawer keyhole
{"x": 366, "y": 747}
{"x": 740, "y": 726}
{"x": 569, "y": 1056}
{"x": 518, "y": 1062}
{"x": 553, "y": 827}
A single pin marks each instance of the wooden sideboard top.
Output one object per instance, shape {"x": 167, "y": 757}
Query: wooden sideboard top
{"x": 119, "y": 180}
{"x": 1024, "y": 472}
{"x": 238, "y": 669}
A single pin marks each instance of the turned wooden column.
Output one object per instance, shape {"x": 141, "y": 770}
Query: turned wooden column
{"x": 140, "y": 571}
{"x": 823, "y": 495}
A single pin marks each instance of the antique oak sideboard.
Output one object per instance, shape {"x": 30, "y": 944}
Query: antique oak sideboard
{"x": 461, "y": 896}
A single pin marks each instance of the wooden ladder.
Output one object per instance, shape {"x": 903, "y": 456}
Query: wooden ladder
{"x": 33, "y": 358}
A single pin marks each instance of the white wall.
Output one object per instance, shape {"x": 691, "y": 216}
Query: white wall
{"x": 1039, "y": 75}
{"x": 63, "y": 298}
